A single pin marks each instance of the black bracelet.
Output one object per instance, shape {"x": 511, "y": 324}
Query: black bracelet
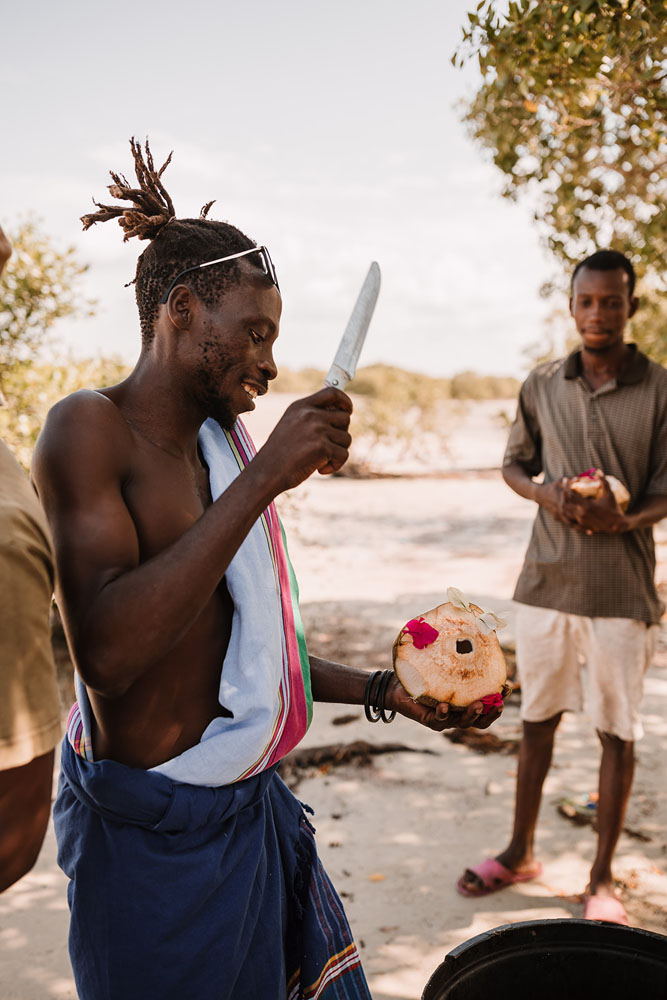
{"x": 382, "y": 691}
{"x": 376, "y": 690}
{"x": 372, "y": 714}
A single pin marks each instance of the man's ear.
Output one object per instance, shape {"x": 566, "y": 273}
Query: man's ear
{"x": 180, "y": 306}
{"x": 634, "y": 306}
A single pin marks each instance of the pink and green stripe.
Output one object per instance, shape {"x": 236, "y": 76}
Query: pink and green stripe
{"x": 295, "y": 696}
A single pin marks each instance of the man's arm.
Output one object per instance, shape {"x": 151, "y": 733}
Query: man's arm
{"x": 647, "y": 513}
{"x": 602, "y": 514}
{"x": 585, "y": 514}
{"x": 335, "y": 682}
{"x": 25, "y": 807}
{"x": 122, "y": 614}
{"x": 551, "y": 496}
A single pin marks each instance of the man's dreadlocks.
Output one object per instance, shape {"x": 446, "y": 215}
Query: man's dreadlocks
{"x": 175, "y": 243}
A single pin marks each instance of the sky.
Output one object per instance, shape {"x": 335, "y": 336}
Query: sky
{"x": 329, "y": 131}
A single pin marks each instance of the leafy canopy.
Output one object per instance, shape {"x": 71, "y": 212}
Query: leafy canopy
{"x": 30, "y": 390}
{"x": 573, "y": 101}
{"x": 38, "y": 286}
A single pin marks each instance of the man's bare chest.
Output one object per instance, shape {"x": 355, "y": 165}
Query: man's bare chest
{"x": 165, "y": 496}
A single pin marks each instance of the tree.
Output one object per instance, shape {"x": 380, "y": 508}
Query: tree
{"x": 39, "y": 286}
{"x": 32, "y": 389}
{"x": 573, "y": 109}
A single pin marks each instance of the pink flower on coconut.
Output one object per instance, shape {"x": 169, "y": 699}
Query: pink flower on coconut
{"x": 491, "y": 701}
{"x": 422, "y": 633}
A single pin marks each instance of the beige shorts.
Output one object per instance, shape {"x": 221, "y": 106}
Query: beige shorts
{"x": 552, "y": 648}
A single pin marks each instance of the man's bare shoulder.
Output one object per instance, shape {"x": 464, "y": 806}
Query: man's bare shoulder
{"x": 84, "y": 432}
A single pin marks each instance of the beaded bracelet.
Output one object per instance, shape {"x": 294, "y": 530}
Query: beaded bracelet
{"x": 376, "y": 690}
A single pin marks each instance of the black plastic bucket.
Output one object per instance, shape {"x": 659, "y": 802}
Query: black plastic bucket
{"x": 554, "y": 960}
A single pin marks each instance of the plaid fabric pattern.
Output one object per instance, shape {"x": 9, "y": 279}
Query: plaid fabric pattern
{"x": 563, "y": 427}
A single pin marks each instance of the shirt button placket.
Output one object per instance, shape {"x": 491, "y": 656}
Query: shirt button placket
{"x": 594, "y": 428}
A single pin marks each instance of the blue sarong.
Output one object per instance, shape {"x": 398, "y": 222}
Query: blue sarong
{"x": 184, "y": 891}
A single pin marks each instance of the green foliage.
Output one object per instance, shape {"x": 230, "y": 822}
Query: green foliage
{"x": 303, "y": 382}
{"x": 406, "y": 389}
{"x": 32, "y": 389}
{"x": 396, "y": 407}
{"x": 573, "y": 110}
{"x": 38, "y": 287}
{"x": 574, "y": 96}
{"x": 470, "y": 385}
{"x": 649, "y": 326}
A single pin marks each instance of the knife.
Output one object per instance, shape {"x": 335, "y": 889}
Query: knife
{"x": 345, "y": 363}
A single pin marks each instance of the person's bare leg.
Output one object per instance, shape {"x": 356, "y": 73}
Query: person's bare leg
{"x": 534, "y": 761}
{"x": 616, "y": 774}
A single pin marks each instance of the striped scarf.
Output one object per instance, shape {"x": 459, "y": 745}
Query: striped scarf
{"x": 265, "y": 680}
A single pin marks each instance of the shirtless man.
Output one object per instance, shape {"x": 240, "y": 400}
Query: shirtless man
{"x": 159, "y": 585}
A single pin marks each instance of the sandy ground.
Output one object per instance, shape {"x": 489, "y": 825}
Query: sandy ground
{"x": 396, "y": 831}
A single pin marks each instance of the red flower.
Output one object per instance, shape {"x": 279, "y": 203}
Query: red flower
{"x": 491, "y": 701}
{"x": 422, "y": 633}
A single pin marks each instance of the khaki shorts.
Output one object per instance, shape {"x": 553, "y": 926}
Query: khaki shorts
{"x": 551, "y": 649}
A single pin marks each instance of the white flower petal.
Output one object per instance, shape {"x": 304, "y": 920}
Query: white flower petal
{"x": 498, "y": 619}
{"x": 486, "y": 623}
{"x": 491, "y": 622}
{"x": 458, "y": 598}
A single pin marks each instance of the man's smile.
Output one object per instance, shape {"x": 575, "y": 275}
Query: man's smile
{"x": 253, "y": 389}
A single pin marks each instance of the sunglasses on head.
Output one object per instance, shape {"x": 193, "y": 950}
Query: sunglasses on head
{"x": 264, "y": 256}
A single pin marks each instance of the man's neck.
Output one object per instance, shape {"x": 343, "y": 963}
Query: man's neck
{"x": 156, "y": 406}
{"x": 601, "y": 367}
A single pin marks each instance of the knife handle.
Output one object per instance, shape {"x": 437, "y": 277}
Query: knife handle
{"x": 337, "y": 377}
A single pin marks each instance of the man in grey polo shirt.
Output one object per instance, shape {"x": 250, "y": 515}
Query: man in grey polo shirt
{"x": 587, "y": 589}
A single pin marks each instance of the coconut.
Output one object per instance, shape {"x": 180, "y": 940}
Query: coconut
{"x": 589, "y": 484}
{"x": 451, "y": 654}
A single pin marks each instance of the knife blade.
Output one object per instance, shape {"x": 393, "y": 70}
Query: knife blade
{"x": 345, "y": 363}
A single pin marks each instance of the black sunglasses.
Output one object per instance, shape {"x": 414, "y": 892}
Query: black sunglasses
{"x": 265, "y": 257}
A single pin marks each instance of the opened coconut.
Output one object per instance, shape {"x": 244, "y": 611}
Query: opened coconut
{"x": 452, "y": 654}
{"x": 589, "y": 484}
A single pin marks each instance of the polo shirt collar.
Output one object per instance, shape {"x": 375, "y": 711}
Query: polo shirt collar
{"x": 634, "y": 372}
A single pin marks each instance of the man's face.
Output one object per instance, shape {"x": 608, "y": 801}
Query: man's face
{"x": 601, "y": 306}
{"x": 234, "y": 350}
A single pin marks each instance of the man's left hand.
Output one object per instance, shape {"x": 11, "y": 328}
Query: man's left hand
{"x": 441, "y": 717}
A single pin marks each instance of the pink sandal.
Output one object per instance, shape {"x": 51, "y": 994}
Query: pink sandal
{"x": 493, "y": 876}
{"x": 607, "y": 908}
